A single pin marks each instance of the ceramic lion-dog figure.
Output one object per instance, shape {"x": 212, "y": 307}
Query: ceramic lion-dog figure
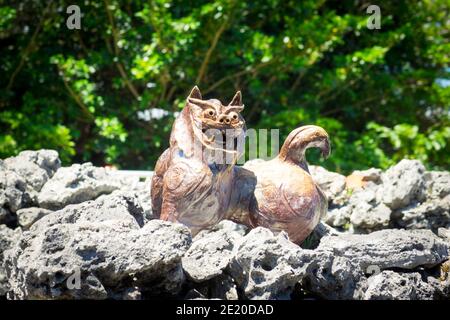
{"x": 197, "y": 182}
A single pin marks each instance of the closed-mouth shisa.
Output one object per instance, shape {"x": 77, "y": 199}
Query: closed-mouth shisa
{"x": 197, "y": 182}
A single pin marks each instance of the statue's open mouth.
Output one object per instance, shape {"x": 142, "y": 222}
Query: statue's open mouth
{"x": 225, "y": 140}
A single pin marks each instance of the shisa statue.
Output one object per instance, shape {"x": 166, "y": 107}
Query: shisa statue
{"x": 197, "y": 182}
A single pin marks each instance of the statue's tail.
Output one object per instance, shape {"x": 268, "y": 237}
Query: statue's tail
{"x": 300, "y": 139}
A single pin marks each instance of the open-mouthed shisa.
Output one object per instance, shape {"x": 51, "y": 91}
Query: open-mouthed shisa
{"x": 197, "y": 182}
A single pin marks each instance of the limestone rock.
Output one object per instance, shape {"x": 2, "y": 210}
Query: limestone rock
{"x": 339, "y": 217}
{"x": 212, "y": 251}
{"x": 8, "y": 237}
{"x": 76, "y": 184}
{"x": 21, "y": 178}
{"x": 322, "y": 230}
{"x": 389, "y": 285}
{"x": 35, "y": 167}
{"x": 27, "y": 216}
{"x": 444, "y": 233}
{"x": 266, "y": 266}
{"x": 329, "y": 276}
{"x": 403, "y": 183}
{"x": 432, "y": 214}
{"x": 437, "y": 184}
{"x": 367, "y": 217}
{"x": 103, "y": 244}
{"x": 363, "y": 210}
{"x": 142, "y": 191}
{"x": 390, "y": 248}
{"x": 14, "y": 193}
{"x": 116, "y": 206}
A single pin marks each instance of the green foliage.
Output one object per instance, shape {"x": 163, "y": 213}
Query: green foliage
{"x": 405, "y": 141}
{"x": 382, "y": 95}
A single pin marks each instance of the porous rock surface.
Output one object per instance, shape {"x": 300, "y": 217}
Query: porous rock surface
{"x": 8, "y": 237}
{"x": 106, "y": 242}
{"x": 76, "y": 184}
{"x": 83, "y": 232}
{"x": 405, "y": 196}
{"x": 21, "y": 179}
{"x": 212, "y": 251}
{"x": 390, "y": 248}
{"x": 390, "y": 285}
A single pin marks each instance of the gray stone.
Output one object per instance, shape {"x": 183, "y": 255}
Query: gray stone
{"x": 266, "y": 266}
{"x": 389, "y": 285}
{"x": 390, "y": 248}
{"x": 123, "y": 207}
{"x": 211, "y": 251}
{"x": 329, "y": 276}
{"x": 444, "y": 233}
{"x": 142, "y": 191}
{"x": 403, "y": 183}
{"x": 367, "y": 217}
{"x": 339, "y": 217}
{"x": 322, "y": 230}
{"x": 432, "y": 214}
{"x": 21, "y": 178}
{"x": 145, "y": 199}
{"x": 76, "y": 184}
{"x": 333, "y": 184}
{"x": 8, "y": 237}
{"x": 103, "y": 232}
{"x": 420, "y": 285}
{"x": 139, "y": 201}
{"x": 14, "y": 193}
{"x": 27, "y": 216}
{"x": 437, "y": 184}
{"x": 103, "y": 241}
{"x": 35, "y": 167}
{"x": 363, "y": 210}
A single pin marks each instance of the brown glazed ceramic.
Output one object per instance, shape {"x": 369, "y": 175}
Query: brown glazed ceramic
{"x": 197, "y": 183}
{"x": 194, "y": 178}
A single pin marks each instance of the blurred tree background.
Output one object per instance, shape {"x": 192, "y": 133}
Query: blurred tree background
{"x": 108, "y": 93}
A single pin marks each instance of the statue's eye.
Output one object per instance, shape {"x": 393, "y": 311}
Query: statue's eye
{"x": 210, "y": 113}
{"x": 234, "y": 115}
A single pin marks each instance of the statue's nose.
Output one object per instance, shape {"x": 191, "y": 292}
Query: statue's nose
{"x": 224, "y": 119}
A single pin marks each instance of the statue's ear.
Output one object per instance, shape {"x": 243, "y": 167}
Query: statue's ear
{"x": 237, "y": 100}
{"x": 195, "y": 93}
